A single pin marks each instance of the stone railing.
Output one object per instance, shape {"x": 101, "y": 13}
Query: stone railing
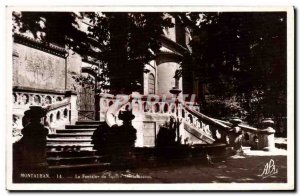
{"x": 206, "y": 129}
{"x": 120, "y": 103}
{"x": 110, "y": 106}
{"x": 60, "y": 106}
{"x": 159, "y": 107}
{"x": 201, "y": 126}
{"x": 106, "y": 100}
{"x": 258, "y": 138}
{"x": 23, "y": 99}
{"x": 26, "y": 99}
{"x": 155, "y": 105}
{"x": 58, "y": 115}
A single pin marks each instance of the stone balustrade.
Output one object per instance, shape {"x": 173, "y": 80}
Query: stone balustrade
{"x": 155, "y": 108}
{"x": 258, "y": 138}
{"x": 199, "y": 125}
{"x": 57, "y": 105}
{"x": 58, "y": 115}
{"x": 106, "y": 100}
{"x": 26, "y": 99}
{"x": 195, "y": 121}
{"x": 139, "y": 104}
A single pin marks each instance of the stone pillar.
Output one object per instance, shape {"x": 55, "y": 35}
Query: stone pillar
{"x": 235, "y": 135}
{"x": 73, "y": 100}
{"x": 32, "y": 146}
{"x": 73, "y": 64}
{"x": 266, "y": 140}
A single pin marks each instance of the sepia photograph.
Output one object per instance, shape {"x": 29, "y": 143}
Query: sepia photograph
{"x": 150, "y": 98}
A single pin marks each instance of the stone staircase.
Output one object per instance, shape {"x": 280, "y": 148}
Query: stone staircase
{"x": 71, "y": 149}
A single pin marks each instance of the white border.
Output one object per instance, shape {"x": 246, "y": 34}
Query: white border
{"x": 178, "y": 186}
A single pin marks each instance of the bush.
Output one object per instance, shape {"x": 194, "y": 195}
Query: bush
{"x": 225, "y": 108}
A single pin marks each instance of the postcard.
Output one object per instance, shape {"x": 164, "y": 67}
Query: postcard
{"x": 154, "y": 98}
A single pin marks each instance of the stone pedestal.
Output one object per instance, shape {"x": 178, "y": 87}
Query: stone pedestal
{"x": 235, "y": 138}
{"x": 235, "y": 135}
{"x": 265, "y": 136}
{"x": 266, "y": 140}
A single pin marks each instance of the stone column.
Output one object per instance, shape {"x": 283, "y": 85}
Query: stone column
{"x": 266, "y": 140}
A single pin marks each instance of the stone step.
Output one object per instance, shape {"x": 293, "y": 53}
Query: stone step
{"x": 71, "y": 153}
{"x": 88, "y": 123}
{"x": 79, "y": 166}
{"x": 69, "y": 134}
{"x": 74, "y": 149}
{"x": 69, "y": 147}
{"x": 73, "y": 137}
{"x": 73, "y": 160}
{"x": 87, "y": 130}
{"x": 81, "y": 126}
{"x": 69, "y": 140}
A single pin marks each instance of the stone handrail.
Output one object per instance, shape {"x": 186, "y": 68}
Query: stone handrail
{"x": 244, "y": 127}
{"x": 258, "y": 138}
{"x": 113, "y": 110}
{"x": 206, "y": 119}
{"x": 206, "y": 129}
{"x": 156, "y": 105}
{"x": 24, "y": 98}
{"x": 57, "y": 114}
{"x": 202, "y": 126}
{"x": 57, "y": 105}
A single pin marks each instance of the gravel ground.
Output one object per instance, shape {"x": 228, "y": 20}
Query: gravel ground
{"x": 239, "y": 169}
{"x": 246, "y": 168}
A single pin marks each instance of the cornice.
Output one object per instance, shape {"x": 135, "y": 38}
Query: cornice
{"x": 44, "y": 46}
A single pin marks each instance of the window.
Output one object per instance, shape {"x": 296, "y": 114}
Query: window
{"x": 151, "y": 84}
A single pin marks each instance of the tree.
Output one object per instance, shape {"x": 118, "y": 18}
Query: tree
{"x": 241, "y": 55}
{"x": 60, "y": 28}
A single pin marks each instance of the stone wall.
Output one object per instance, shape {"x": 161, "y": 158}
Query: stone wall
{"x": 39, "y": 65}
{"x": 74, "y": 63}
{"x": 151, "y": 67}
{"x": 165, "y": 77}
{"x": 43, "y": 75}
{"x": 37, "y": 69}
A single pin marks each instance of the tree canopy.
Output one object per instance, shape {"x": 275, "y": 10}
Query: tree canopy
{"x": 244, "y": 55}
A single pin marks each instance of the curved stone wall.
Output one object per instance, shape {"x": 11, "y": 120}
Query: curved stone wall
{"x": 165, "y": 77}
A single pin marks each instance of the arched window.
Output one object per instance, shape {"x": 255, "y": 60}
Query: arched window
{"x": 151, "y": 84}
{"x": 51, "y": 118}
{"x": 58, "y": 115}
{"x": 65, "y": 113}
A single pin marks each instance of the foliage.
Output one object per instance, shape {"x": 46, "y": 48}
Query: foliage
{"x": 239, "y": 54}
{"x": 60, "y": 28}
{"x": 225, "y": 108}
